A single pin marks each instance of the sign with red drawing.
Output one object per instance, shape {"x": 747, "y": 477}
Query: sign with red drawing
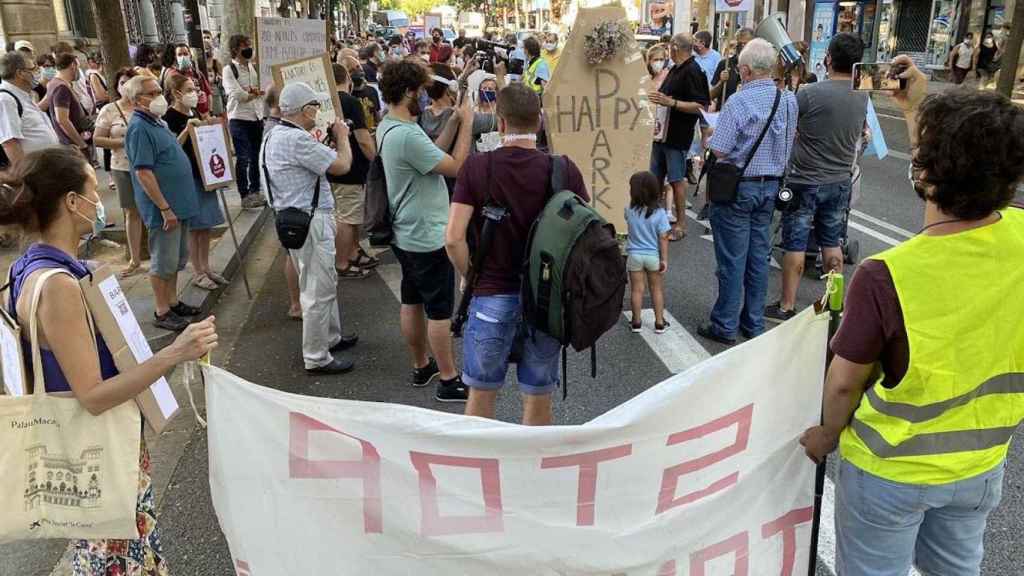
{"x": 211, "y": 147}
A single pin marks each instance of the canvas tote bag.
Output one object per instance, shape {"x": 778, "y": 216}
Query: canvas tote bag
{"x": 65, "y": 473}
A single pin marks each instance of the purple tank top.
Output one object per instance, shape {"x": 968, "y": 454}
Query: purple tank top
{"x": 39, "y": 257}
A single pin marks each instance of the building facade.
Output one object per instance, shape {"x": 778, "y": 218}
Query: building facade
{"x": 59, "y": 480}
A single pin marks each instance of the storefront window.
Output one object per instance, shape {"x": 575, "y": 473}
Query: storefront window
{"x": 943, "y": 29}
{"x": 886, "y": 40}
{"x": 994, "y": 18}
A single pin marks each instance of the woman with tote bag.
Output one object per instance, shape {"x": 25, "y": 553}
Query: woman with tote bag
{"x": 53, "y": 192}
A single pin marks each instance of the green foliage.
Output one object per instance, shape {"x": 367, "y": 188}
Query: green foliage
{"x": 412, "y": 8}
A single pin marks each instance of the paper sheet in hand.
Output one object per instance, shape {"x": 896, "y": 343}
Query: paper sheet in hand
{"x": 709, "y": 119}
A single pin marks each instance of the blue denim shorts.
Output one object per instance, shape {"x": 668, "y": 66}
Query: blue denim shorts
{"x": 823, "y": 208}
{"x": 667, "y": 160}
{"x": 492, "y": 330}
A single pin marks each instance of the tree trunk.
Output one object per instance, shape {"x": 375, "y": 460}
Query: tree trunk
{"x": 113, "y": 37}
{"x": 1011, "y": 52}
{"x": 238, "y": 19}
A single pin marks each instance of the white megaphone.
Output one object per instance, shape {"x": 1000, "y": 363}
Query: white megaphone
{"x": 773, "y": 29}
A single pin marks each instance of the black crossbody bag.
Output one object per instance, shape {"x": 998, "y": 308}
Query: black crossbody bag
{"x": 292, "y": 224}
{"x": 724, "y": 179}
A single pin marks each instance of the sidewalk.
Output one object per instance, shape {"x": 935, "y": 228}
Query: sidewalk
{"x": 111, "y": 250}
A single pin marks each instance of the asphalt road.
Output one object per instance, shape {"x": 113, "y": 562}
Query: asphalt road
{"x": 268, "y": 352}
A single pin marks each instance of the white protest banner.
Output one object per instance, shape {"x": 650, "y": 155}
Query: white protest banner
{"x": 317, "y": 72}
{"x": 280, "y": 40}
{"x": 699, "y": 475}
{"x": 598, "y": 115}
{"x": 734, "y": 5}
{"x": 210, "y": 145}
{"x": 13, "y": 369}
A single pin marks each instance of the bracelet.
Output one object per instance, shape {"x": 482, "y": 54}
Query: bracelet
{"x": 165, "y": 209}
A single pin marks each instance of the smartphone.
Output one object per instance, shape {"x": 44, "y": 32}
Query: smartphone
{"x": 878, "y": 76}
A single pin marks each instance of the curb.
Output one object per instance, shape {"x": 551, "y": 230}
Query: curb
{"x": 223, "y": 257}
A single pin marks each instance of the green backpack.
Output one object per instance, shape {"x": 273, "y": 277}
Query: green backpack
{"x": 574, "y": 277}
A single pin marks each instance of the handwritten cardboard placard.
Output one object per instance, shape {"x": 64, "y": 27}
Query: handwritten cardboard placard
{"x": 121, "y": 331}
{"x": 316, "y": 72}
{"x": 211, "y": 148}
{"x": 13, "y": 368}
{"x": 599, "y": 115}
{"x": 280, "y": 40}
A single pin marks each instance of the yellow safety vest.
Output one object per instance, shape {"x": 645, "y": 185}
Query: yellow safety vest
{"x": 530, "y": 78}
{"x": 952, "y": 415}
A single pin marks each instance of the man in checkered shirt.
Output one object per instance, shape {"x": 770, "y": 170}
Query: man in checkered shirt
{"x": 742, "y": 228}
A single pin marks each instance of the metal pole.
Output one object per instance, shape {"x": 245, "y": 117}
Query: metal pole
{"x": 836, "y": 292}
{"x": 234, "y": 238}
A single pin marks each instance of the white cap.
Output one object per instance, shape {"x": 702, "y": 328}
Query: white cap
{"x": 24, "y": 44}
{"x": 296, "y": 95}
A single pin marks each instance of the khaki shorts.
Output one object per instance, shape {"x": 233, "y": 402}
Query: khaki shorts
{"x": 348, "y": 203}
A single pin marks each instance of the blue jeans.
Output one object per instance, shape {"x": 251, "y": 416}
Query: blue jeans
{"x": 247, "y": 135}
{"x": 883, "y": 526}
{"x": 823, "y": 209}
{"x": 491, "y": 331}
{"x": 742, "y": 232}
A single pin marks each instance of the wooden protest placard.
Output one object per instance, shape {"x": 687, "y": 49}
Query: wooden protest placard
{"x": 599, "y": 116}
{"x": 316, "y": 72}
{"x": 210, "y": 144}
{"x": 281, "y": 40}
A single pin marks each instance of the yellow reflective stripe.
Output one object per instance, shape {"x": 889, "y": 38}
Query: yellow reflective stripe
{"x": 1011, "y": 383}
{"x": 934, "y": 443}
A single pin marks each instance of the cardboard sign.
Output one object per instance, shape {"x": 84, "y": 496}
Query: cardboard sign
{"x": 280, "y": 40}
{"x": 212, "y": 151}
{"x": 13, "y": 368}
{"x": 316, "y": 72}
{"x": 116, "y": 322}
{"x": 702, "y": 474}
{"x": 599, "y": 116}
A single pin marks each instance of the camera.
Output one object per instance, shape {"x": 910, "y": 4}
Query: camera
{"x": 488, "y": 53}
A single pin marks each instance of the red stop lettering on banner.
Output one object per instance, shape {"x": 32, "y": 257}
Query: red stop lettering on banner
{"x": 432, "y": 523}
{"x": 587, "y": 461}
{"x": 367, "y": 469}
{"x": 737, "y": 545}
{"x": 670, "y": 477}
{"x": 787, "y": 525}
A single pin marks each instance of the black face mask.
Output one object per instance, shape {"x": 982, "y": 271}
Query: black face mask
{"x": 247, "y": 53}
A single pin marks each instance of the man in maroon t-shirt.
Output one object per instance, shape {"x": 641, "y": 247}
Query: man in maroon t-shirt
{"x": 515, "y": 177}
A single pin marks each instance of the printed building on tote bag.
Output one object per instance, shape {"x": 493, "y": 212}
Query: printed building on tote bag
{"x": 58, "y": 480}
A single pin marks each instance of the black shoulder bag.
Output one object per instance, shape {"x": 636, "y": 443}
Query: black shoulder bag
{"x": 724, "y": 179}
{"x": 292, "y": 223}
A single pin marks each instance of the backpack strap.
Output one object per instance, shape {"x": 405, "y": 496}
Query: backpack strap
{"x": 234, "y": 70}
{"x": 556, "y": 180}
{"x": 17, "y": 102}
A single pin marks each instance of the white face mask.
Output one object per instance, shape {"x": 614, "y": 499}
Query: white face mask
{"x": 100, "y": 221}
{"x": 158, "y": 106}
{"x": 657, "y": 66}
{"x": 190, "y": 100}
{"x": 550, "y": 46}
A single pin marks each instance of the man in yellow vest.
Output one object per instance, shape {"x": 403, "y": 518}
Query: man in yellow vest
{"x": 927, "y": 384}
{"x": 537, "y": 73}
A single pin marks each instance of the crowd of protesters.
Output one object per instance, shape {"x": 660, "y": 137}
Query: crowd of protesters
{"x": 451, "y": 137}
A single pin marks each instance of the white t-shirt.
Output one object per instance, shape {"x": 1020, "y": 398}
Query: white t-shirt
{"x": 965, "y": 56}
{"x": 33, "y": 129}
{"x": 116, "y": 121}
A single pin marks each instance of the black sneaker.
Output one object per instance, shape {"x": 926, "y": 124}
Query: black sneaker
{"x": 451, "y": 391}
{"x": 707, "y": 332}
{"x": 422, "y": 376}
{"x": 776, "y": 313}
{"x": 345, "y": 343}
{"x": 170, "y": 321}
{"x": 184, "y": 310}
{"x": 661, "y": 328}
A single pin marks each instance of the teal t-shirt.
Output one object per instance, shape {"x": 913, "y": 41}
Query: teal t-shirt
{"x": 150, "y": 144}
{"x": 419, "y": 197}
